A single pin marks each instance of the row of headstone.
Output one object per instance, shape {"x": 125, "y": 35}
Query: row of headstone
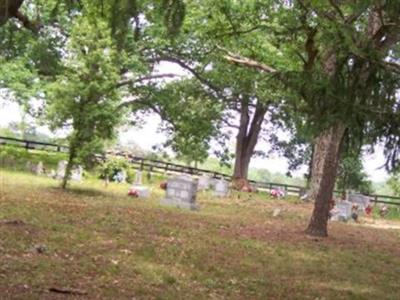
{"x": 351, "y": 207}
{"x": 220, "y": 186}
{"x": 76, "y": 173}
{"x": 182, "y": 190}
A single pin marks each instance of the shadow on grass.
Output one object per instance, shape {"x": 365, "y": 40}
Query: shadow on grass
{"x": 82, "y": 191}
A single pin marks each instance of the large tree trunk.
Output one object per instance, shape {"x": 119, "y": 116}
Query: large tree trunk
{"x": 324, "y": 170}
{"x": 247, "y": 138}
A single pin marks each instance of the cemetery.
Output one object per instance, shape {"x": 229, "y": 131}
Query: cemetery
{"x": 176, "y": 149}
{"x": 165, "y": 240}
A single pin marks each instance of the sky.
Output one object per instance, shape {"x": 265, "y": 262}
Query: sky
{"x": 149, "y": 135}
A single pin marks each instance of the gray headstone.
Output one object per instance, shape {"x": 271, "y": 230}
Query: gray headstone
{"x": 205, "y": 182}
{"x": 342, "y": 211}
{"x": 29, "y": 166}
{"x": 38, "y": 169}
{"x": 361, "y": 200}
{"x": 221, "y": 188}
{"x": 77, "y": 173}
{"x": 138, "y": 178}
{"x": 62, "y": 165}
{"x": 181, "y": 192}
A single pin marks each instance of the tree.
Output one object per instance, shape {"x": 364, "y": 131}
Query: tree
{"x": 84, "y": 95}
{"x": 190, "y": 117}
{"x": 351, "y": 175}
{"x": 246, "y": 98}
{"x": 340, "y": 68}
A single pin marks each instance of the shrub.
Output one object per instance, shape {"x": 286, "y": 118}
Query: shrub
{"x": 112, "y": 166}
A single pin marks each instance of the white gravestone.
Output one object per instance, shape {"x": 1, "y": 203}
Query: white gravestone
{"x": 342, "y": 211}
{"x": 181, "y": 192}
{"x": 39, "y": 168}
{"x": 138, "y": 178}
{"x": 62, "y": 165}
{"x": 205, "y": 183}
{"x": 28, "y": 166}
{"x": 221, "y": 188}
{"x": 77, "y": 173}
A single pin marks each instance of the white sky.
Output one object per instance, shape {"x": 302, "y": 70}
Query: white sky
{"x": 148, "y": 135}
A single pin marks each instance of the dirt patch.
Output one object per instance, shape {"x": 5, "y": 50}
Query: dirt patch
{"x": 12, "y": 222}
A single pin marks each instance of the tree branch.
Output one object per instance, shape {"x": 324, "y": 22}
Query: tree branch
{"x": 247, "y": 62}
{"x": 149, "y": 77}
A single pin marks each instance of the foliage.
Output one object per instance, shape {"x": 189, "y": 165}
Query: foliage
{"x": 394, "y": 183}
{"x": 17, "y": 158}
{"x": 190, "y": 118}
{"x": 84, "y": 97}
{"x": 352, "y": 175}
{"x": 113, "y": 166}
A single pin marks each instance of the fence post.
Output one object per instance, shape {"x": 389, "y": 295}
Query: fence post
{"x": 142, "y": 164}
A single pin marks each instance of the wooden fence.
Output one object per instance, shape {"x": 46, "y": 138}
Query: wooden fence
{"x": 163, "y": 167}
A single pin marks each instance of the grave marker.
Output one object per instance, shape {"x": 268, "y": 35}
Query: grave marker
{"x": 342, "y": 211}
{"x": 62, "y": 165}
{"x": 138, "y": 178}
{"x": 181, "y": 192}
{"x": 38, "y": 169}
{"x": 77, "y": 173}
{"x": 221, "y": 188}
{"x": 362, "y": 201}
{"x": 205, "y": 182}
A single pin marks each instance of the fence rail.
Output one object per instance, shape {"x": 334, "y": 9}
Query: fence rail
{"x": 163, "y": 167}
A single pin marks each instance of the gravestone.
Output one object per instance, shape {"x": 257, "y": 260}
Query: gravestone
{"x": 181, "y": 192}
{"x": 342, "y": 211}
{"x": 138, "y": 178}
{"x": 38, "y": 169}
{"x": 60, "y": 173}
{"x": 28, "y": 166}
{"x": 77, "y": 173}
{"x": 360, "y": 200}
{"x": 221, "y": 188}
{"x": 205, "y": 183}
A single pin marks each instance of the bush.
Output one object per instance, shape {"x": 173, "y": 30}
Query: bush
{"x": 16, "y": 158}
{"x": 113, "y": 166}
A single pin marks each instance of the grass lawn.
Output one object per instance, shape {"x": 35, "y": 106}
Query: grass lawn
{"x": 108, "y": 246}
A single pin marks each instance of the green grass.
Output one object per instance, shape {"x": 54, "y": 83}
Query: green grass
{"x": 111, "y": 246}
